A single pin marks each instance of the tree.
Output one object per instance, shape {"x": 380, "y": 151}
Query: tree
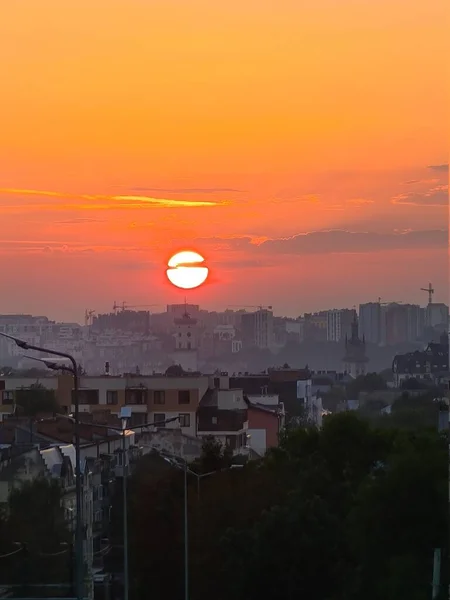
{"x": 371, "y": 382}
{"x": 335, "y": 396}
{"x": 35, "y": 520}
{"x": 341, "y": 513}
{"x": 174, "y": 371}
{"x": 214, "y": 455}
{"x": 36, "y": 400}
{"x": 399, "y": 517}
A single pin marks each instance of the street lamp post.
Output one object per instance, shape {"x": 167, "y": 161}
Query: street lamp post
{"x": 175, "y": 461}
{"x": 125, "y": 415}
{"x": 73, "y": 369}
{"x": 186, "y": 533}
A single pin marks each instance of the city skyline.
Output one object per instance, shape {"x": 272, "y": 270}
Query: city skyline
{"x": 302, "y": 151}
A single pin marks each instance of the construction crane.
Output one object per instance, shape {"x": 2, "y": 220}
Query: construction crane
{"x": 88, "y": 315}
{"x": 259, "y": 307}
{"x": 124, "y": 306}
{"x": 430, "y": 292}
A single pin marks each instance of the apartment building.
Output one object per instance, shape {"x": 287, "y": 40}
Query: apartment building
{"x": 339, "y": 324}
{"x": 223, "y": 413}
{"x": 152, "y": 399}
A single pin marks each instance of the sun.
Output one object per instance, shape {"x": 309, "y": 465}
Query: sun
{"x": 185, "y": 270}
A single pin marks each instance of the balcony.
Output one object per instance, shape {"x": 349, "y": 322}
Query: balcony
{"x": 137, "y": 398}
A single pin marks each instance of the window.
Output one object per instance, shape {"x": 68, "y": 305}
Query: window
{"x": 159, "y": 397}
{"x": 112, "y": 397}
{"x": 214, "y": 420}
{"x": 8, "y": 397}
{"x": 159, "y": 418}
{"x": 184, "y": 396}
{"x": 86, "y": 396}
{"x": 185, "y": 420}
{"x": 135, "y": 396}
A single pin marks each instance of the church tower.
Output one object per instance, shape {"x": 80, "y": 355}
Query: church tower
{"x": 355, "y": 359}
{"x": 186, "y": 342}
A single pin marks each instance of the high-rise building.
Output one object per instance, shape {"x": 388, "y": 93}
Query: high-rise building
{"x": 401, "y": 323}
{"x": 339, "y": 324}
{"x": 257, "y": 328}
{"x": 437, "y": 316}
{"x": 370, "y": 322}
{"x": 315, "y": 326}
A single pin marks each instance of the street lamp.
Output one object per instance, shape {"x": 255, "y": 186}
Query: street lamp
{"x": 175, "y": 461}
{"x": 125, "y": 414}
{"x": 73, "y": 369}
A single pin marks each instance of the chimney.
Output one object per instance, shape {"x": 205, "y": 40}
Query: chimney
{"x": 107, "y": 368}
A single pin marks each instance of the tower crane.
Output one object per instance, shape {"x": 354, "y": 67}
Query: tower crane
{"x": 124, "y": 306}
{"x": 430, "y": 291}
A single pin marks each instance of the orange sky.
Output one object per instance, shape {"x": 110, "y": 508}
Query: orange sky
{"x": 131, "y": 128}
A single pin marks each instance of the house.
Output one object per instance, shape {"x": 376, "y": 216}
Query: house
{"x": 223, "y": 413}
{"x": 292, "y": 386}
{"x": 265, "y": 422}
{"x": 430, "y": 365}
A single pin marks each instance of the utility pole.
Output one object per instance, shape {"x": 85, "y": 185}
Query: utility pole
{"x": 436, "y": 573}
{"x": 186, "y": 541}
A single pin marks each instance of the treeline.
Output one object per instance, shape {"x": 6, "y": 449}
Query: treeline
{"x": 36, "y": 545}
{"x": 349, "y": 512}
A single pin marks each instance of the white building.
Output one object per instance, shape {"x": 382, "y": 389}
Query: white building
{"x": 339, "y": 324}
{"x": 186, "y": 343}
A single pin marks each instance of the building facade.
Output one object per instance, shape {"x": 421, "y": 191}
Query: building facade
{"x": 339, "y": 324}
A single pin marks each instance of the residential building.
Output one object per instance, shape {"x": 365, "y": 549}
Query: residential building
{"x": 401, "y": 323}
{"x": 339, "y": 324}
{"x": 257, "y": 328}
{"x": 223, "y": 413}
{"x": 437, "y": 316}
{"x": 370, "y": 322}
{"x": 431, "y": 364}
{"x": 315, "y": 326}
{"x": 285, "y": 384}
{"x": 151, "y": 399}
{"x": 295, "y": 330}
{"x": 266, "y": 419}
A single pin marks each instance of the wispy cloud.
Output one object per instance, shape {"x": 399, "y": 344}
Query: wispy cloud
{"x": 443, "y": 167}
{"x": 305, "y": 199}
{"x": 212, "y": 190}
{"x": 55, "y": 247}
{"x": 336, "y": 242}
{"x": 99, "y": 202}
{"x": 79, "y": 221}
{"x": 436, "y": 197}
{"x": 359, "y": 201}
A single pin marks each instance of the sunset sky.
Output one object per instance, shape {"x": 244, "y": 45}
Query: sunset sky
{"x": 301, "y": 146}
